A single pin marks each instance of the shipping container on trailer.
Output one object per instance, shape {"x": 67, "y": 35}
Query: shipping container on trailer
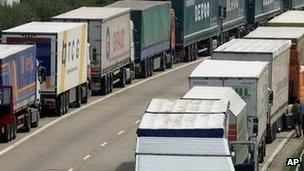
{"x": 288, "y": 19}
{"x": 19, "y": 89}
{"x": 249, "y": 80}
{"x": 152, "y": 26}
{"x": 277, "y": 53}
{"x": 170, "y": 153}
{"x": 109, "y": 35}
{"x": 62, "y": 51}
{"x": 293, "y": 4}
{"x": 261, "y": 11}
{"x": 296, "y": 35}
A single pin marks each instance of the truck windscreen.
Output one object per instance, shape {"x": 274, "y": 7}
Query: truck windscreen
{"x": 5, "y": 96}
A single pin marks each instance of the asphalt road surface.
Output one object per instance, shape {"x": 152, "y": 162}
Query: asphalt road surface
{"x": 99, "y": 137}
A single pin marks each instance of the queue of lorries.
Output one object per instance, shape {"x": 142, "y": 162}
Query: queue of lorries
{"x": 49, "y": 67}
{"x": 237, "y": 102}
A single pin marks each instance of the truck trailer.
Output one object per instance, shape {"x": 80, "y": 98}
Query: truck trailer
{"x": 293, "y": 5}
{"x": 296, "y": 35}
{"x": 19, "y": 90}
{"x": 153, "y": 22}
{"x": 62, "y": 51}
{"x": 248, "y": 79}
{"x": 277, "y": 53}
{"x": 181, "y": 118}
{"x": 110, "y": 35}
{"x": 178, "y": 153}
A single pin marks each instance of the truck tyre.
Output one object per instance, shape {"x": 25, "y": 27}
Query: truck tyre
{"x": 67, "y": 101}
{"x": 151, "y": 62}
{"x": 144, "y": 69}
{"x": 27, "y": 123}
{"x": 14, "y": 135}
{"x": 111, "y": 82}
{"x": 36, "y": 123}
{"x": 85, "y": 93}
{"x": 191, "y": 52}
{"x": 129, "y": 81}
{"x": 78, "y": 97}
{"x": 104, "y": 85}
{"x": 163, "y": 62}
{"x": 59, "y": 105}
{"x": 122, "y": 77}
{"x": 64, "y": 103}
{"x": 195, "y": 52}
{"x": 6, "y": 136}
{"x": 185, "y": 58}
{"x": 169, "y": 58}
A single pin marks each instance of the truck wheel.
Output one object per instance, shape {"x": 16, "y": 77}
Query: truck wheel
{"x": 163, "y": 62}
{"x": 14, "y": 134}
{"x": 59, "y": 105}
{"x": 151, "y": 66}
{"x": 85, "y": 93}
{"x": 195, "y": 52}
{"x": 64, "y": 111}
{"x": 6, "y": 136}
{"x": 67, "y": 101}
{"x": 78, "y": 97}
{"x": 36, "y": 123}
{"x": 111, "y": 82}
{"x": 103, "y": 88}
{"x": 169, "y": 57}
{"x": 122, "y": 77}
{"x": 27, "y": 123}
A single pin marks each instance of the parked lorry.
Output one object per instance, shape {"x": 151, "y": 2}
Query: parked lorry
{"x": 296, "y": 35}
{"x": 248, "y": 79}
{"x": 110, "y": 38}
{"x": 288, "y": 19}
{"x": 153, "y": 21}
{"x": 261, "y": 11}
{"x": 182, "y": 153}
{"x": 277, "y": 53}
{"x": 19, "y": 90}
{"x": 62, "y": 51}
{"x": 181, "y": 118}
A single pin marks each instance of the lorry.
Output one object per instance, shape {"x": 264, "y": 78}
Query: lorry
{"x": 292, "y": 4}
{"x": 277, "y": 53}
{"x": 110, "y": 37}
{"x": 261, "y": 11}
{"x": 288, "y": 19}
{"x": 250, "y": 82}
{"x": 176, "y": 153}
{"x": 19, "y": 90}
{"x": 153, "y": 26}
{"x": 296, "y": 35}
{"x": 182, "y": 118}
{"x": 62, "y": 51}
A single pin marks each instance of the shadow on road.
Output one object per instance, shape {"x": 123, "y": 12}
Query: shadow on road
{"x": 126, "y": 166}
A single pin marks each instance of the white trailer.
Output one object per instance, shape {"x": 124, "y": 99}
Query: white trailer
{"x": 110, "y": 37}
{"x": 62, "y": 51}
{"x": 276, "y": 52}
{"x": 248, "y": 79}
{"x": 177, "y": 153}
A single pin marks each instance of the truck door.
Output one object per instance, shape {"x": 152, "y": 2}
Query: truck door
{"x": 44, "y": 52}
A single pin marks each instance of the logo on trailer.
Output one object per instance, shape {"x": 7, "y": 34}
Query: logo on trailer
{"x": 268, "y": 2}
{"x": 202, "y": 11}
{"x": 232, "y": 5}
{"x": 292, "y": 161}
{"x": 108, "y": 43}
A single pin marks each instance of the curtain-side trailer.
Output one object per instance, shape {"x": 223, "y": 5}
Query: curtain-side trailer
{"x": 19, "y": 90}
{"x": 153, "y": 22}
{"x": 110, "y": 38}
{"x": 62, "y": 51}
{"x": 249, "y": 80}
{"x": 277, "y": 53}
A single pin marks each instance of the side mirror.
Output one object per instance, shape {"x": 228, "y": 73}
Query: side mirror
{"x": 270, "y": 97}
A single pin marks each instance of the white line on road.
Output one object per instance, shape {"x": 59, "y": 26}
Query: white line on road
{"x": 86, "y": 157}
{"x": 276, "y": 151}
{"x": 103, "y": 144}
{"x": 92, "y": 103}
{"x": 71, "y": 169}
{"x": 136, "y": 122}
{"x": 120, "y": 132}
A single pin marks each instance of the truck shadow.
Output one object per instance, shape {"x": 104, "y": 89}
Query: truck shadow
{"x": 126, "y": 166}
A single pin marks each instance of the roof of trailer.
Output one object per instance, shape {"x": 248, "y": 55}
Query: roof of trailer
{"x": 230, "y": 69}
{"x": 137, "y": 5}
{"x": 292, "y": 16}
{"x": 93, "y": 13}
{"x": 7, "y": 50}
{"x": 43, "y": 27}
{"x": 277, "y": 33}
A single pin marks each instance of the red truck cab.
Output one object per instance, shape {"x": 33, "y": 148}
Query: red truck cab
{"x": 6, "y": 113}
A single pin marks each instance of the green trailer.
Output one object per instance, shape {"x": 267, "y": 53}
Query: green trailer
{"x": 152, "y": 26}
{"x": 260, "y": 11}
{"x": 293, "y": 4}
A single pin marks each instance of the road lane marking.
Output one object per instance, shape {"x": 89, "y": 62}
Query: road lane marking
{"x": 71, "y": 169}
{"x": 86, "y": 157}
{"x": 120, "y": 132}
{"x": 93, "y": 103}
{"x": 276, "y": 151}
{"x": 103, "y": 144}
{"x": 136, "y": 122}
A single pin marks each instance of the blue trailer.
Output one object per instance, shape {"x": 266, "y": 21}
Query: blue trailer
{"x": 19, "y": 96}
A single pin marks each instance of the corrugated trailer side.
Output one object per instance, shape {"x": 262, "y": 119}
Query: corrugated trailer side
{"x": 19, "y": 71}
{"x": 260, "y": 11}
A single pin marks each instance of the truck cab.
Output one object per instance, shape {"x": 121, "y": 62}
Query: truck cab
{"x": 6, "y": 108}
